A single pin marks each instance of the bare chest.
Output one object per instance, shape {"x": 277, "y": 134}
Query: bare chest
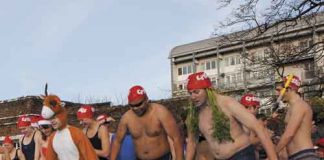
{"x": 145, "y": 127}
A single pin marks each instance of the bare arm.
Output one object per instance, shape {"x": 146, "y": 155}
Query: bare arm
{"x": 103, "y": 135}
{"x": 248, "y": 120}
{"x": 191, "y": 146}
{"x": 38, "y": 143}
{"x": 294, "y": 122}
{"x": 170, "y": 126}
{"x": 21, "y": 155}
{"x": 119, "y": 136}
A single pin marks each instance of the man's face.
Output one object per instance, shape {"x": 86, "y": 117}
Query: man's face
{"x": 198, "y": 97}
{"x": 278, "y": 90}
{"x": 139, "y": 107}
{"x": 56, "y": 123}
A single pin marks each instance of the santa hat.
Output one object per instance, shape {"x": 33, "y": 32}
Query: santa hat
{"x": 105, "y": 118}
{"x": 250, "y": 100}
{"x": 23, "y": 121}
{"x": 34, "y": 120}
{"x": 7, "y": 139}
{"x": 43, "y": 121}
{"x": 198, "y": 80}
{"x": 136, "y": 93}
{"x": 85, "y": 111}
{"x": 295, "y": 82}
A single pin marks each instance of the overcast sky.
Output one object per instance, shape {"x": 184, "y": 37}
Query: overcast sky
{"x": 95, "y": 50}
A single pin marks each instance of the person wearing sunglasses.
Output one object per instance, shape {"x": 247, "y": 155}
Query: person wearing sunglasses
{"x": 296, "y": 137}
{"x": 46, "y": 129}
{"x": 150, "y": 125}
{"x": 96, "y": 133}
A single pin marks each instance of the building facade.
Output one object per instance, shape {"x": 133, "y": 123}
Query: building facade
{"x": 236, "y": 67}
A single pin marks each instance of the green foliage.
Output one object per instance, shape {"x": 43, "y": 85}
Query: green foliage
{"x": 192, "y": 119}
{"x": 221, "y": 126}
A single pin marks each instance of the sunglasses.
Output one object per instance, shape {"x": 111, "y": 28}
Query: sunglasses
{"x": 106, "y": 122}
{"x": 45, "y": 126}
{"x": 136, "y": 105}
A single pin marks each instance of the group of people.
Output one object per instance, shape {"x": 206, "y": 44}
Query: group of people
{"x": 218, "y": 124}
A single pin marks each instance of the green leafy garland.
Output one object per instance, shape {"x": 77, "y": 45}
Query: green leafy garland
{"x": 221, "y": 126}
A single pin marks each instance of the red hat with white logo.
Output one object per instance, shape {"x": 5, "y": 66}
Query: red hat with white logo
{"x": 23, "y": 121}
{"x": 85, "y": 111}
{"x": 198, "y": 80}
{"x": 250, "y": 100}
{"x": 7, "y": 139}
{"x": 136, "y": 93}
{"x": 34, "y": 120}
{"x": 295, "y": 82}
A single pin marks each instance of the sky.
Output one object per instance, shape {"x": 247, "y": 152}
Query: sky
{"x": 91, "y": 51}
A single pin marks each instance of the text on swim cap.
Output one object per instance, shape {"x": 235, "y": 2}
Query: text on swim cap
{"x": 201, "y": 77}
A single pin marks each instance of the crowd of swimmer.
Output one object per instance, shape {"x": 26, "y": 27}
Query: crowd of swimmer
{"x": 217, "y": 127}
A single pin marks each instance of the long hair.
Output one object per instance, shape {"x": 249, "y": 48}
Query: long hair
{"x": 221, "y": 124}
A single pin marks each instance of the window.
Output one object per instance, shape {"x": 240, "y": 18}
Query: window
{"x": 213, "y": 64}
{"x": 227, "y": 61}
{"x": 189, "y": 69}
{"x": 202, "y": 66}
{"x": 239, "y": 77}
{"x": 238, "y": 59}
{"x": 233, "y": 78}
{"x": 232, "y": 60}
{"x": 181, "y": 87}
{"x": 184, "y": 70}
{"x": 208, "y": 65}
{"x": 179, "y": 71}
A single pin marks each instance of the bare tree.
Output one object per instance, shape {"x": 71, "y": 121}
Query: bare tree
{"x": 275, "y": 25}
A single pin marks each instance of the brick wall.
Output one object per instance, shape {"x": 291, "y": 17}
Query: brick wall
{"x": 11, "y": 109}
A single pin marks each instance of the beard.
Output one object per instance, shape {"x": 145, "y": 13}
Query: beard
{"x": 139, "y": 112}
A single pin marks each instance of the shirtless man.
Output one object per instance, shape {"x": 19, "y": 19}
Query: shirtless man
{"x": 150, "y": 124}
{"x": 223, "y": 132}
{"x": 297, "y": 135}
{"x": 30, "y": 142}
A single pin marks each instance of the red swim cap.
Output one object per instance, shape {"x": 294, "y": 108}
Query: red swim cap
{"x": 250, "y": 100}
{"x": 85, "y": 111}
{"x": 198, "y": 80}
{"x": 136, "y": 93}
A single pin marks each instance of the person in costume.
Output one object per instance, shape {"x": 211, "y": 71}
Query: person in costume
{"x": 220, "y": 119}
{"x": 150, "y": 125}
{"x": 297, "y": 134}
{"x": 29, "y": 142}
{"x": 10, "y": 152}
{"x": 67, "y": 142}
{"x": 46, "y": 129}
{"x": 96, "y": 133}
